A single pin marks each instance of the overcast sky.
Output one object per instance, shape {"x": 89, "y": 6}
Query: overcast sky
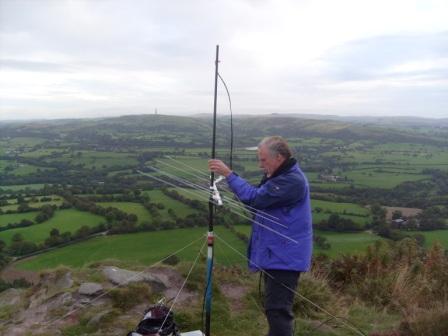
{"x": 65, "y": 59}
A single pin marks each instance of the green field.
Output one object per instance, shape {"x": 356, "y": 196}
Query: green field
{"x": 42, "y": 152}
{"x": 130, "y": 208}
{"x": 63, "y": 220}
{"x": 32, "y": 202}
{"x": 23, "y": 187}
{"x": 181, "y": 209}
{"x": 344, "y": 210}
{"x": 143, "y": 248}
{"x": 346, "y": 243}
{"x": 318, "y": 217}
{"x": 252, "y": 166}
{"x": 386, "y": 180}
{"x": 9, "y": 207}
{"x": 97, "y": 160}
{"x": 192, "y": 194}
{"x": 23, "y": 142}
{"x": 431, "y": 237}
{"x": 56, "y": 200}
{"x": 4, "y": 164}
{"x": 23, "y": 169}
{"x": 341, "y": 243}
{"x": 329, "y": 185}
{"x": 186, "y": 167}
{"x": 341, "y": 208}
{"x": 16, "y": 218}
{"x": 116, "y": 172}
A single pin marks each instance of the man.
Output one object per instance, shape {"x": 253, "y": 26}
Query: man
{"x": 281, "y": 248}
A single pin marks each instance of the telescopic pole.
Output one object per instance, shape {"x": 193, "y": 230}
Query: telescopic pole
{"x": 211, "y": 208}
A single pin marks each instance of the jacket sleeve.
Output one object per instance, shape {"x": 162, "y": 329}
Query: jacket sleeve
{"x": 280, "y": 191}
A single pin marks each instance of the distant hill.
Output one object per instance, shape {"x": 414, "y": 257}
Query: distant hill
{"x": 247, "y": 129}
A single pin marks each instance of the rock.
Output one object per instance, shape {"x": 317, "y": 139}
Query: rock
{"x": 123, "y": 277}
{"x": 38, "y": 298}
{"x": 10, "y": 297}
{"x": 64, "y": 299}
{"x": 56, "y": 283}
{"x": 84, "y": 301}
{"x": 65, "y": 281}
{"x": 37, "y": 310}
{"x": 90, "y": 288}
{"x": 173, "y": 281}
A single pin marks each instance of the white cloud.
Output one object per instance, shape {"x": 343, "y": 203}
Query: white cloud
{"x": 421, "y": 66}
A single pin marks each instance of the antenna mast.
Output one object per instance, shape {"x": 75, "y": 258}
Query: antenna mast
{"x": 211, "y": 208}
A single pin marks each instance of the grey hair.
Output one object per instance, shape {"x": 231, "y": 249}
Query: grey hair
{"x": 276, "y": 145}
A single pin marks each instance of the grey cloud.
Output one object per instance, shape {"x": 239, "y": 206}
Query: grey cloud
{"x": 33, "y": 66}
{"x": 107, "y": 44}
{"x": 370, "y": 58}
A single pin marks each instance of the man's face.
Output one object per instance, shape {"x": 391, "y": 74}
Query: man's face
{"x": 268, "y": 162}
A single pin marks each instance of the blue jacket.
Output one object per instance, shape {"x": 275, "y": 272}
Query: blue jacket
{"x": 286, "y": 197}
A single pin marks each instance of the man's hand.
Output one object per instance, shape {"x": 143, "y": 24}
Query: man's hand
{"x": 217, "y": 166}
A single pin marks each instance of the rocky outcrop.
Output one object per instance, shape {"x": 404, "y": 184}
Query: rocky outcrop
{"x": 56, "y": 282}
{"x": 10, "y": 297}
{"x": 57, "y": 302}
{"x": 122, "y": 277}
{"x": 90, "y": 288}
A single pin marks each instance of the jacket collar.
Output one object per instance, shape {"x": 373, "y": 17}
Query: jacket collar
{"x": 284, "y": 167}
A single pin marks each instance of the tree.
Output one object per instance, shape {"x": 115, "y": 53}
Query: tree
{"x": 321, "y": 242}
{"x": 23, "y": 207}
{"x": 397, "y": 214}
{"x": 378, "y": 215}
{"x": 54, "y": 232}
{"x": 25, "y": 222}
{"x": 171, "y": 213}
{"x": 16, "y": 238}
{"x": 54, "y": 239}
{"x": 22, "y": 247}
{"x": 132, "y": 218}
{"x": 82, "y": 232}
